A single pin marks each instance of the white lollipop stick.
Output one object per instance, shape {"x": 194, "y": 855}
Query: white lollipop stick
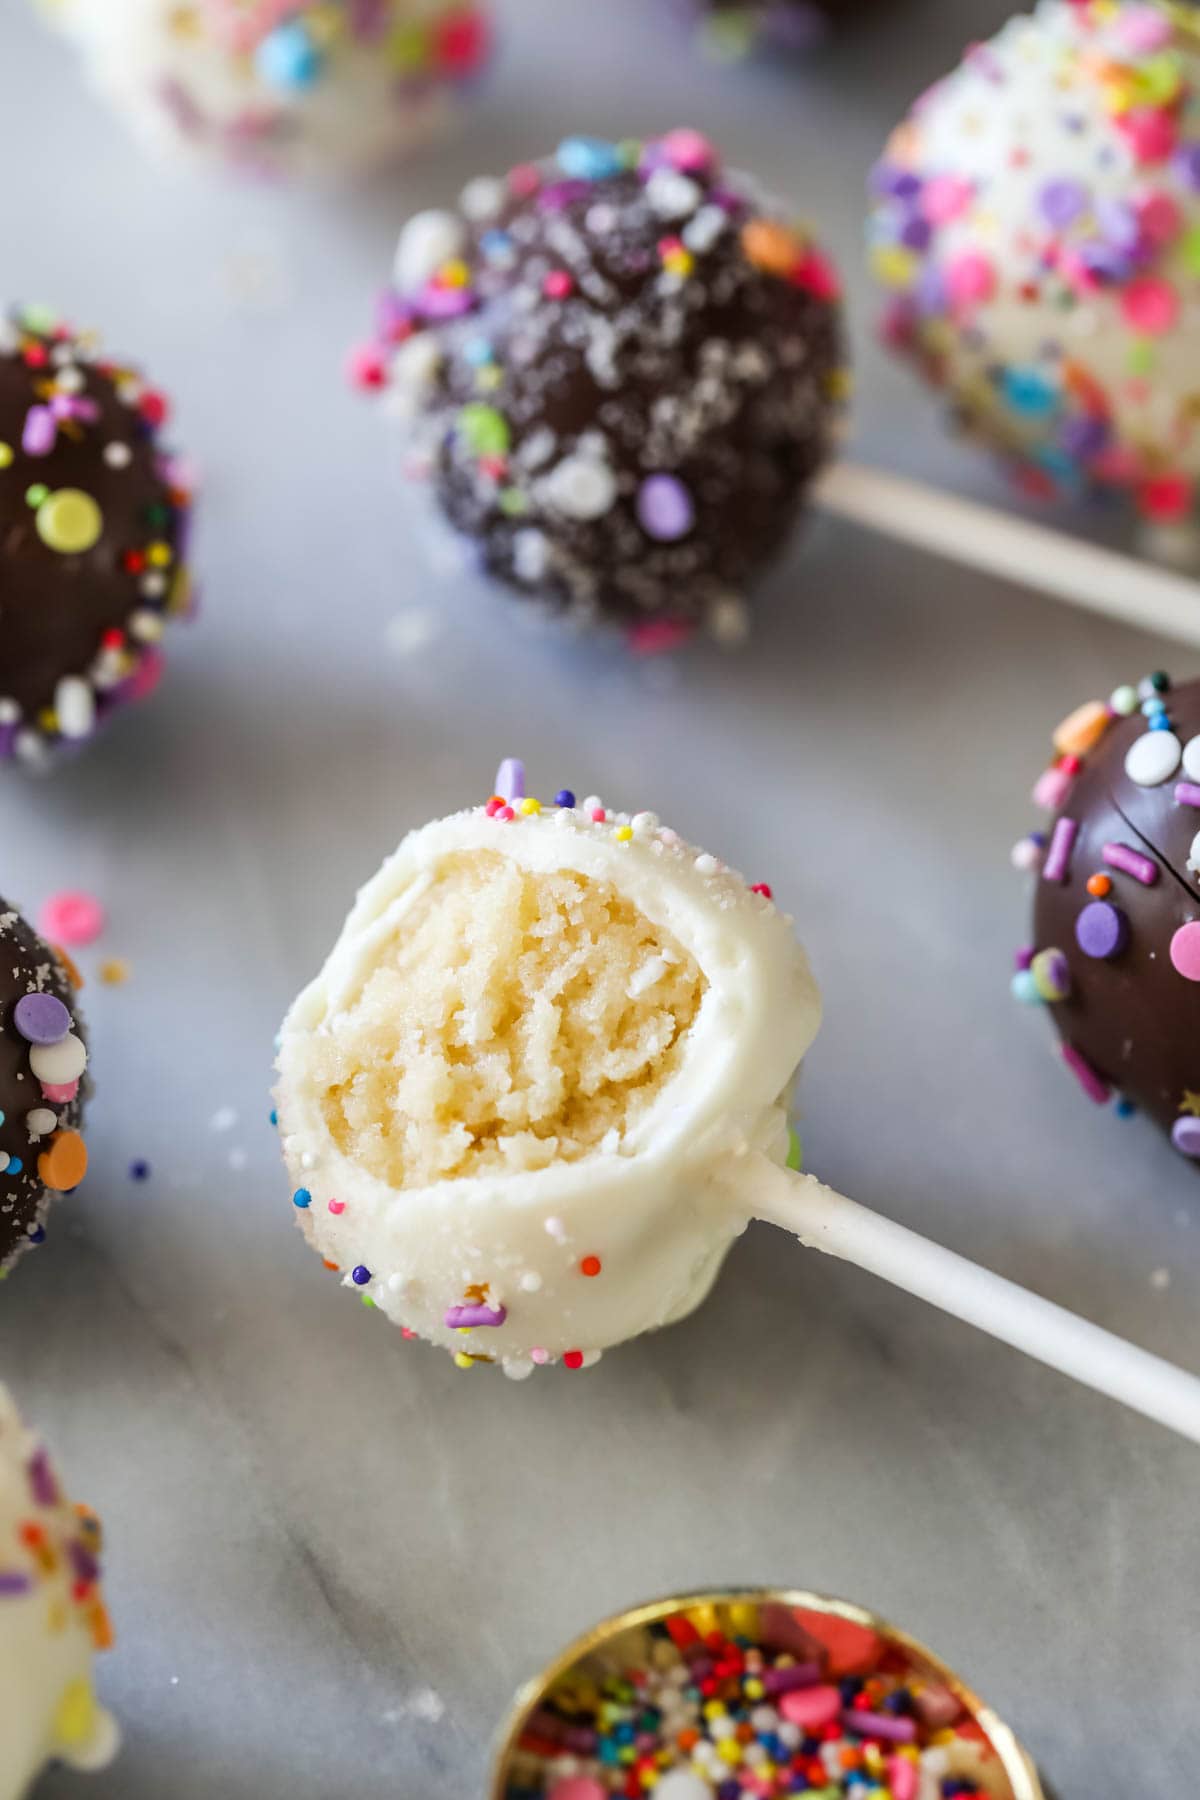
{"x": 825, "y": 1221}
{"x": 1122, "y": 587}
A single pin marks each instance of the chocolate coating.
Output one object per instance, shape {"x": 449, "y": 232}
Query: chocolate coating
{"x": 622, "y": 370}
{"x": 1130, "y": 1013}
{"x": 34, "y": 1160}
{"x": 79, "y": 620}
{"x": 733, "y": 28}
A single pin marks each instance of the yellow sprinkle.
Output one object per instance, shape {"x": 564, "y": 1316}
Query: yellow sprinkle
{"x": 743, "y": 1619}
{"x": 463, "y": 1361}
{"x": 894, "y": 266}
{"x": 753, "y": 1689}
{"x": 730, "y": 1751}
{"x": 6, "y": 455}
{"x": 623, "y": 833}
{"x": 714, "y": 1709}
{"x": 454, "y": 273}
{"x": 530, "y": 805}
{"x": 75, "y": 1720}
{"x": 69, "y": 521}
{"x": 115, "y": 971}
{"x": 158, "y": 555}
{"x": 679, "y": 262}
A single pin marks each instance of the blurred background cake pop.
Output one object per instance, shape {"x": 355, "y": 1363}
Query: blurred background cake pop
{"x": 1036, "y": 221}
{"x": 52, "y": 1618}
{"x": 93, "y": 522}
{"x": 43, "y": 1059}
{"x": 281, "y": 87}
{"x": 1115, "y": 946}
{"x": 618, "y": 370}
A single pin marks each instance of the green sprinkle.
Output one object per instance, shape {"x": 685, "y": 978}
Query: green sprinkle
{"x": 35, "y": 495}
{"x": 485, "y": 430}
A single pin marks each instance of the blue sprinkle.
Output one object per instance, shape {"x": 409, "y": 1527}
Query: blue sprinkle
{"x": 15, "y": 1165}
{"x": 588, "y": 159}
{"x": 287, "y": 57}
{"x": 1024, "y": 988}
{"x": 1028, "y": 391}
{"x": 361, "y": 1275}
{"x": 38, "y": 1235}
{"x": 1159, "y": 722}
{"x": 139, "y": 1171}
{"x": 1124, "y": 1109}
{"x": 564, "y": 797}
{"x": 302, "y": 1198}
{"x": 479, "y": 352}
{"x": 274, "y": 1117}
{"x": 497, "y": 247}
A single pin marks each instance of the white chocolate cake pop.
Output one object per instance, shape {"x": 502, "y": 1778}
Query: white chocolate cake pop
{"x": 502, "y": 1098}
{"x": 281, "y": 87}
{"x": 1037, "y": 220}
{"x": 52, "y": 1618}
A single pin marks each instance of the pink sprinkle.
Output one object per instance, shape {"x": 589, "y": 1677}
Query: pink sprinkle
{"x": 1159, "y": 216}
{"x": 945, "y": 197}
{"x": 598, "y": 815}
{"x": 364, "y": 367}
{"x": 525, "y": 179}
{"x": 146, "y": 676}
{"x": 40, "y": 431}
{"x": 970, "y": 278}
{"x": 1144, "y": 28}
{"x": 1187, "y": 793}
{"x": 578, "y": 1787}
{"x": 1093, "y": 1085}
{"x": 1150, "y": 305}
{"x": 1166, "y": 497}
{"x": 60, "y": 1092}
{"x": 1058, "y": 857}
{"x": 558, "y": 285}
{"x": 655, "y": 636}
{"x": 1131, "y": 862}
{"x": 1185, "y": 951}
{"x": 1150, "y": 131}
{"x": 689, "y": 151}
{"x": 506, "y": 813}
{"x": 539, "y": 1356}
{"x": 71, "y": 917}
{"x": 466, "y": 1318}
{"x": 902, "y": 1778}
{"x": 817, "y": 276}
{"x": 1052, "y": 788}
{"x": 337, "y": 1206}
{"x": 811, "y": 1708}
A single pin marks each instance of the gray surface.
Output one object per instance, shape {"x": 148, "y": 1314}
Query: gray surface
{"x": 313, "y": 1524}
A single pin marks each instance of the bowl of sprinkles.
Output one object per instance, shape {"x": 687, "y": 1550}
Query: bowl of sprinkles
{"x": 760, "y": 1692}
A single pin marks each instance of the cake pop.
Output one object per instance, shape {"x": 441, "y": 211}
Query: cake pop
{"x": 93, "y": 519}
{"x": 619, "y": 370}
{"x": 541, "y": 1085}
{"x": 1115, "y": 954}
{"x": 281, "y": 87}
{"x": 1036, "y": 219}
{"x": 52, "y": 1618}
{"x": 43, "y": 1062}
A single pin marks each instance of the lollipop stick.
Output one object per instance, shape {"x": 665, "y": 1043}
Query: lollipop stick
{"x": 1139, "y": 593}
{"x": 826, "y": 1221}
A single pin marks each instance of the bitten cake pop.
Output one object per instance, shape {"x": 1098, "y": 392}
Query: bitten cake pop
{"x": 52, "y": 1618}
{"x": 619, "y": 369}
{"x": 1115, "y": 954}
{"x": 93, "y": 521}
{"x": 281, "y": 87}
{"x": 500, "y": 1098}
{"x": 1037, "y": 220}
{"x": 541, "y": 1086}
{"x": 43, "y": 1063}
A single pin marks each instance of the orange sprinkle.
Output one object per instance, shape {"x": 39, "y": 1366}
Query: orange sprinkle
{"x": 64, "y": 1165}
{"x": 69, "y": 965}
{"x": 1099, "y": 885}
{"x": 591, "y": 1265}
{"x": 771, "y": 246}
{"x": 329, "y": 1265}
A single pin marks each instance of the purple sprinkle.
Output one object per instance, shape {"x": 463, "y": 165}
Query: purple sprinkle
{"x": 1093, "y": 1085}
{"x": 510, "y": 779}
{"x": 1085, "y": 435}
{"x": 1061, "y": 202}
{"x": 897, "y": 184}
{"x": 1023, "y": 957}
{"x": 1187, "y": 793}
{"x": 916, "y": 233}
{"x": 13, "y": 1583}
{"x": 444, "y": 302}
{"x": 42, "y": 1484}
{"x": 1102, "y": 930}
{"x": 41, "y": 1019}
{"x": 785, "y": 1681}
{"x": 83, "y": 1562}
{"x": 1058, "y": 856}
{"x": 892, "y": 1727}
{"x": 1119, "y": 224}
{"x": 1185, "y": 1135}
{"x": 561, "y": 194}
{"x": 460, "y": 1318}
{"x": 1131, "y": 862}
{"x": 40, "y": 432}
{"x": 664, "y": 508}
{"x": 1186, "y": 163}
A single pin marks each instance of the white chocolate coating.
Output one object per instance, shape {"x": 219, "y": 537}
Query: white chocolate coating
{"x": 645, "y": 1203}
{"x": 195, "y": 78}
{"x": 48, "y": 1631}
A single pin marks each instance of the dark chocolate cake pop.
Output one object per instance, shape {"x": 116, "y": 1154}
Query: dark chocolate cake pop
{"x": 1116, "y": 916}
{"x": 91, "y": 536}
{"x": 43, "y": 1057}
{"x": 619, "y": 370}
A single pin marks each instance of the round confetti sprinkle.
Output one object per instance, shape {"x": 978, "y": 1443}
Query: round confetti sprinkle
{"x": 69, "y": 521}
{"x": 1153, "y": 758}
{"x": 72, "y": 917}
{"x": 1185, "y": 951}
{"x": 41, "y": 1018}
